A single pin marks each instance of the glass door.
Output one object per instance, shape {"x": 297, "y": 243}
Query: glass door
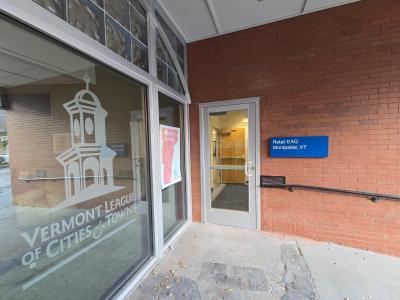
{"x": 229, "y": 157}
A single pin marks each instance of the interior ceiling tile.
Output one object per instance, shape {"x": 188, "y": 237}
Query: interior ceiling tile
{"x": 192, "y": 17}
{"x": 313, "y": 5}
{"x": 39, "y": 73}
{"x": 4, "y": 73}
{"x": 14, "y": 80}
{"x": 238, "y": 14}
{"x": 16, "y": 71}
{"x": 10, "y": 64}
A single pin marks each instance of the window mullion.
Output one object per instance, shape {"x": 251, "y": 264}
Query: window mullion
{"x": 151, "y": 33}
{"x": 171, "y": 52}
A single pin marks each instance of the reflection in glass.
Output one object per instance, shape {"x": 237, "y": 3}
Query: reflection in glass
{"x": 87, "y": 17}
{"x": 172, "y": 78}
{"x": 181, "y": 63}
{"x": 5, "y": 177}
{"x": 138, "y": 7}
{"x": 166, "y": 71}
{"x": 139, "y": 54}
{"x": 162, "y": 70}
{"x": 57, "y": 7}
{"x": 161, "y": 51}
{"x": 119, "y": 10}
{"x": 173, "y": 39}
{"x": 124, "y": 22}
{"x": 118, "y": 39}
{"x": 138, "y": 25}
{"x": 173, "y": 196}
{"x": 228, "y": 133}
{"x": 75, "y": 213}
{"x": 100, "y": 3}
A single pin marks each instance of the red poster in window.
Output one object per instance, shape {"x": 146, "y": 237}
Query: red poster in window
{"x": 170, "y": 140}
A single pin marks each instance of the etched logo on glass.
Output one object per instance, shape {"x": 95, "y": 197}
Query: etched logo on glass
{"x": 88, "y": 164}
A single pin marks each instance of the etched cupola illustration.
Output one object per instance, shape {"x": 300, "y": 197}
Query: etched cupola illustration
{"x": 88, "y": 164}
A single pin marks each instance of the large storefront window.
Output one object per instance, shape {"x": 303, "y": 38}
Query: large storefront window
{"x": 173, "y": 166}
{"x": 75, "y": 211}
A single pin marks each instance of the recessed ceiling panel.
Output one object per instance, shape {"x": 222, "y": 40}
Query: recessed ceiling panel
{"x": 199, "y": 19}
{"x": 313, "y": 5}
{"x": 238, "y": 14}
{"x": 192, "y": 17}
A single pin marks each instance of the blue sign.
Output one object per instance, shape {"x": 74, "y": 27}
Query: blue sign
{"x": 299, "y": 146}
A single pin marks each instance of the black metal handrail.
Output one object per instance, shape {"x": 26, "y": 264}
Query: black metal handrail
{"x": 374, "y": 197}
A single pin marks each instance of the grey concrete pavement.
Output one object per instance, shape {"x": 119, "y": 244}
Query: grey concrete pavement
{"x": 217, "y": 262}
{"x": 5, "y": 188}
{"x": 341, "y": 272}
{"x": 5, "y": 179}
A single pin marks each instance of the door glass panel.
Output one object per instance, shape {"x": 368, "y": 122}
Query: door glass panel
{"x": 173, "y": 164}
{"x": 75, "y": 210}
{"x": 228, "y": 132}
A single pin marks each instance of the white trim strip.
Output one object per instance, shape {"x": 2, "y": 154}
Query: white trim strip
{"x": 213, "y": 14}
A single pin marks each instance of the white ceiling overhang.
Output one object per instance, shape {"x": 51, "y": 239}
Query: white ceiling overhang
{"x": 201, "y": 19}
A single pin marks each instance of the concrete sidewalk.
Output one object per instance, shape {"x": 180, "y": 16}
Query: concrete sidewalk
{"x": 217, "y": 262}
{"x": 6, "y": 199}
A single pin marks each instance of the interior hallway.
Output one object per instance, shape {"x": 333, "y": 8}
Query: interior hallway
{"x": 217, "y": 262}
{"x": 233, "y": 196}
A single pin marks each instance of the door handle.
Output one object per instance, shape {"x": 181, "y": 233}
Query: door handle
{"x": 246, "y": 169}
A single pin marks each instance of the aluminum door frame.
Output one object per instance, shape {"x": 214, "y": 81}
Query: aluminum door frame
{"x": 249, "y": 219}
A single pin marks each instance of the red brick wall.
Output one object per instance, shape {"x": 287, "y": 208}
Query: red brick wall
{"x": 336, "y": 73}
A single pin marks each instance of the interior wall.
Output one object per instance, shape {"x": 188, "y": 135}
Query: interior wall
{"x": 233, "y": 120}
{"x": 337, "y": 73}
{"x": 230, "y": 123}
{"x": 215, "y": 175}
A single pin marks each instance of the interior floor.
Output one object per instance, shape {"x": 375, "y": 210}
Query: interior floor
{"x": 234, "y": 196}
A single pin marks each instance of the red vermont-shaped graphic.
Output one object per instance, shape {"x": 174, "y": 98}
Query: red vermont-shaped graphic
{"x": 169, "y": 139}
